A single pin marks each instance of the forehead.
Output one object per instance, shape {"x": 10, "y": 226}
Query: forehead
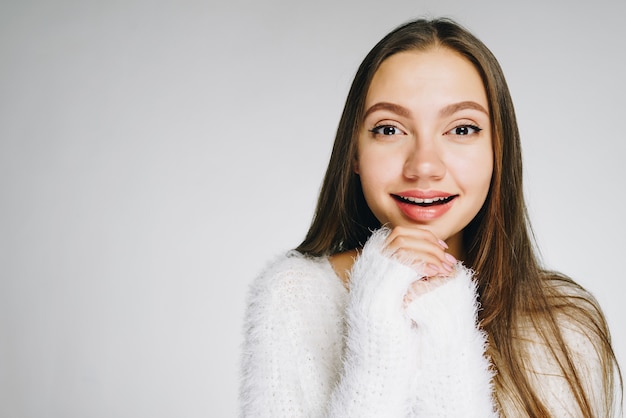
{"x": 437, "y": 74}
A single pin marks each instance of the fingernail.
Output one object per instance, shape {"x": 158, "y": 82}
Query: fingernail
{"x": 443, "y": 244}
{"x": 450, "y": 258}
{"x": 448, "y": 267}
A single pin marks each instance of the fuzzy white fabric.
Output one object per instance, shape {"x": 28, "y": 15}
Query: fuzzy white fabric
{"x": 313, "y": 349}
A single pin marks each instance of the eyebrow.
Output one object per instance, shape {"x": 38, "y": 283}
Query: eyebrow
{"x": 446, "y": 111}
{"x": 397, "y": 109}
{"x": 455, "y": 107}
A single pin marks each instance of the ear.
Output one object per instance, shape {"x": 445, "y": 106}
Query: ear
{"x": 355, "y": 165}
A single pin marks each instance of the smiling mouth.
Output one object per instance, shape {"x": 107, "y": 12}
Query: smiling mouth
{"x": 424, "y": 202}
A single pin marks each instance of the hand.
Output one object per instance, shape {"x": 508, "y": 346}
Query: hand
{"x": 422, "y": 249}
{"x": 426, "y": 253}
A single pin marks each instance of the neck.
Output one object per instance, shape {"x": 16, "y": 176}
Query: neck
{"x": 455, "y": 246}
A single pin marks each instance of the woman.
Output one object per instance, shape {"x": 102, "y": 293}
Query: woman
{"x": 372, "y": 315}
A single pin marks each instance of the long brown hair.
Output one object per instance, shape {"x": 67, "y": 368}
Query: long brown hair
{"x": 513, "y": 290}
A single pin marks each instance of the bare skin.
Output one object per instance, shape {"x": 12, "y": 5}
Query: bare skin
{"x": 342, "y": 264}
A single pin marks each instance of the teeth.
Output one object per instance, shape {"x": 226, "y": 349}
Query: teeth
{"x": 418, "y": 200}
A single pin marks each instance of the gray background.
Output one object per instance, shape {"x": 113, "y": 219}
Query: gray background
{"x": 154, "y": 155}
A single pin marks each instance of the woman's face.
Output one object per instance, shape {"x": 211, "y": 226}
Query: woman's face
{"x": 424, "y": 155}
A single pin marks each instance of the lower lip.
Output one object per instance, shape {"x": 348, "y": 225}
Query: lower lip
{"x": 424, "y": 213}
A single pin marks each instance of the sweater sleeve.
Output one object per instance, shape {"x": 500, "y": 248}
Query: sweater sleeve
{"x": 381, "y": 347}
{"x": 293, "y": 329}
{"x": 454, "y": 375}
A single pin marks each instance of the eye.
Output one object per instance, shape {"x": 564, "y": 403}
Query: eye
{"x": 463, "y": 130}
{"x": 386, "y": 130}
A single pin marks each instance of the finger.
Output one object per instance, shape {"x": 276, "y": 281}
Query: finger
{"x": 419, "y": 241}
{"x": 417, "y": 233}
{"x": 430, "y": 263}
{"x": 420, "y": 246}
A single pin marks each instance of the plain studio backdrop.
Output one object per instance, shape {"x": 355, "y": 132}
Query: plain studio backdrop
{"x": 155, "y": 155}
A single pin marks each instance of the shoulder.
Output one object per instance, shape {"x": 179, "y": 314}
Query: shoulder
{"x": 295, "y": 281}
{"x": 294, "y": 269}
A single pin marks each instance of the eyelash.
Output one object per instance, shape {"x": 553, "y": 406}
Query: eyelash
{"x": 467, "y": 126}
{"x": 376, "y": 130}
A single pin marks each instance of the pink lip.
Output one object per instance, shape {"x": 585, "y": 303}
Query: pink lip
{"x": 424, "y": 214}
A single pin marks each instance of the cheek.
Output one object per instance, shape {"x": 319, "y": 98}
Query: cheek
{"x": 376, "y": 172}
{"x": 473, "y": 172}
{"x": 375, "y": 169}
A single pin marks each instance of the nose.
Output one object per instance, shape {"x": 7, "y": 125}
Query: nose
{"x": 424, "y": 161}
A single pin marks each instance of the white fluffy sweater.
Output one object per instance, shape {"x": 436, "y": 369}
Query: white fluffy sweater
{"x": 313, "y": 349}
